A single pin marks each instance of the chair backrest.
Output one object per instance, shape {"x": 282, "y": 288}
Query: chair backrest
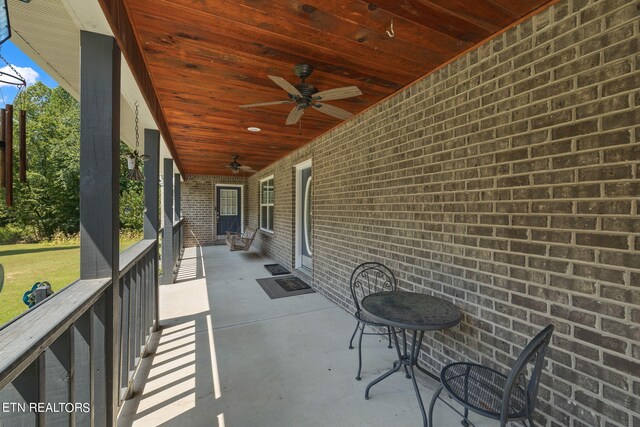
{"x": 534, "y": 352}
{"x": 249, "y": 232}
{"x": 370, "y": 277}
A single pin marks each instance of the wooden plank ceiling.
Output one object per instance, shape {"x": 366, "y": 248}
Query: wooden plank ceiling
{"x": 205, "y": 58}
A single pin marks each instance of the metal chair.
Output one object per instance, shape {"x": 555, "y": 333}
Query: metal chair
{"x": 490, "y": 393}
{"x": 367, "y": 278}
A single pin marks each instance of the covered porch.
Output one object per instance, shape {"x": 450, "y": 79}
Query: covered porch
{"x": 229, "y": 355}
{"x": 501, "y": 175}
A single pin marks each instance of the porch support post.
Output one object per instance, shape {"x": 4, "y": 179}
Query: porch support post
{"x": 99, "y": 208}
{"x": 152, "y": 207}
{"x": 177, "y": 215}
{"x": 176, "y": 203}
{"x": 167, "y": 235}
{"x": 151, "y": 183}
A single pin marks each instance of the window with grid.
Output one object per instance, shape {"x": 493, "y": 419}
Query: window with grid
{"x": 228, "y": 202}
{"x": 266, "y": 203}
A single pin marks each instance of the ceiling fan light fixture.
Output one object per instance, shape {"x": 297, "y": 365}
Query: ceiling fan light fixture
{"x": 253, "y": 129}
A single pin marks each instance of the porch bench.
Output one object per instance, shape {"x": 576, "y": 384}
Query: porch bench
{"x": 241, "y": 242}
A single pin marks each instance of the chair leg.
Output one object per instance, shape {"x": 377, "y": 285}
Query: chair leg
{"x": 360, "y": 353}
{"x": 353, "y": 336}
{"x": 433, "y": 404}
{"x": 530, "y": 418}
{"x": 465, "y": 420}
{"x": 389, "y": 335}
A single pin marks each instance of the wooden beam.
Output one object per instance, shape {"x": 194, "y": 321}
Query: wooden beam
{"x": 99, "y": 195}
{"x": 167, "y": 235}
{"x": 116, "y": 14}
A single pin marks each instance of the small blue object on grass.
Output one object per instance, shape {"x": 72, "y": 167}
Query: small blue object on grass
{"x": 39, "y": 292}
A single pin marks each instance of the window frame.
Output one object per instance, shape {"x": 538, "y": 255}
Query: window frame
{"x": 267, "y": 205}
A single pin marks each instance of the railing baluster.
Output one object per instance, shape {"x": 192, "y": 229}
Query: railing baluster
{"x": 81, "y": 372}
{"x": 148, "y": 262}
{"x": 124, "y": 342}
{"x": 39, "y": 363}
{"x": 57, "y": 372}
{"x": 99, "y": 359}
{"x": 145, "y": 303}
{"x": 138, "y": 324}
{"x": 20, "y": 393}
{"x": 133, "y": 304}
{"x": 156, "y": 290}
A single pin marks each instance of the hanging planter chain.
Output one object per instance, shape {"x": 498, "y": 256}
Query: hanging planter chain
{"x": 135, "y": 159}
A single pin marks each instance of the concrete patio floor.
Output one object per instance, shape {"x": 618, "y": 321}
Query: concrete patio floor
{"x": 227, "y": 355}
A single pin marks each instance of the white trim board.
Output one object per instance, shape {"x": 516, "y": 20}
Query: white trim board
{"x": 215, "y": 203}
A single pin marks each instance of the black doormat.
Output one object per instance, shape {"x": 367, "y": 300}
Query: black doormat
{"x": 284, "y": 287}
{"x": 276, "y": 269}
{"x": 291, "y": 284}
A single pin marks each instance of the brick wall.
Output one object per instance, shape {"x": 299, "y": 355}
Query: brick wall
{"x": 198, "y": 206}
{"x": 506, "y": 182}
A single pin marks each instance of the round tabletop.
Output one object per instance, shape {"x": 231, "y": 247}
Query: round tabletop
{"x": 411, "y": 310}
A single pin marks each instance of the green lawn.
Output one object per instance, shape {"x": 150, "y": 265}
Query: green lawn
{"x": 26, "y": 264}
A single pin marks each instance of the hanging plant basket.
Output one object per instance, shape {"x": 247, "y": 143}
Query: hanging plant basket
{"x": 134, "y": 161}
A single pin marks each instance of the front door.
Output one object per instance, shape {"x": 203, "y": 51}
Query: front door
{"x": 304, "y": 232}
{"x": 228, "y": 210}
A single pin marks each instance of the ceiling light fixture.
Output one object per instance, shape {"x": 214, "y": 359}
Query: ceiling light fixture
{"x": 253, "y": 129}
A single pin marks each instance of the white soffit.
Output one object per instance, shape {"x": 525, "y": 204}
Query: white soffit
{"x": 44, "y": 31}
{"x": 48, "y": 31}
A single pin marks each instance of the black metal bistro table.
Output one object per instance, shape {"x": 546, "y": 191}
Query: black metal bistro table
{"x": 414, "y": 312}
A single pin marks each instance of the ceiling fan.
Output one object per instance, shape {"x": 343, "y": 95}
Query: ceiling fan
{"x": 237, "y": 167}
{"x": 305, "y": 95}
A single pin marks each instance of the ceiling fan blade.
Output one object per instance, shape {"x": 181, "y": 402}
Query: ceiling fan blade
{"x": 247, "y": 168}
{"x": 337, "y": 93}
{"x": 261, "y": 104}
{"x": 291, "y": 89}
{"x": 333, "y": 111}
{"x": 295, "y": 115}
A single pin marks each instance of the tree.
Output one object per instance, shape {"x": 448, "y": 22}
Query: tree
{"x": 50, "y": 200}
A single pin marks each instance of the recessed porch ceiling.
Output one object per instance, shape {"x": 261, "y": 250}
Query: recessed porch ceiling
{"x": 205, "y": 58}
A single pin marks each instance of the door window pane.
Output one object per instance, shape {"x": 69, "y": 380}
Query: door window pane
{"x": 228, "y": 202}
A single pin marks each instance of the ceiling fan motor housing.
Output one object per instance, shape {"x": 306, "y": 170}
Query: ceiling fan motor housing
{"x": 304, "y": 71}
{"x": 307, "y": 92}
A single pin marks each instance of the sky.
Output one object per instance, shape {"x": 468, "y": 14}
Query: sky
{"x": 25, "y": 66}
